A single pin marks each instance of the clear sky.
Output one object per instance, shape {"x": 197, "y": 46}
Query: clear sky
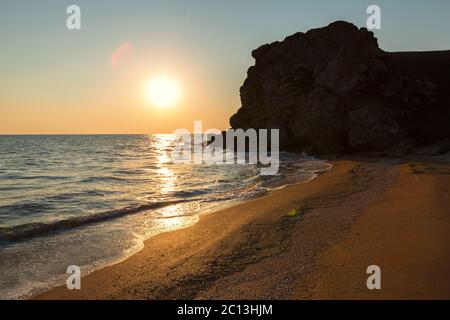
{"x": 53, "y": 80}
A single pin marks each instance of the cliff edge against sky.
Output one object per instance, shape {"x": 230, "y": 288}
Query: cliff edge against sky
{"x": 333, "y": 90}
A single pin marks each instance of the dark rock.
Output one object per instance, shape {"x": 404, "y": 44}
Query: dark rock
{"x": 333, "y": 90}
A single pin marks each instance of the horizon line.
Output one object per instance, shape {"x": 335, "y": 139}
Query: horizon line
{"x": 77, "y": 134}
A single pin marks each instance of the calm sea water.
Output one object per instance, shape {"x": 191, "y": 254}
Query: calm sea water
{"x": 92, "y": 200}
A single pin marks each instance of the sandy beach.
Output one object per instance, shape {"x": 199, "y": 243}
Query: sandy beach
{"x": 390, "y": 213}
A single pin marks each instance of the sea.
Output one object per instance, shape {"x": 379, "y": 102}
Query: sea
{"x": 92, "y": 200}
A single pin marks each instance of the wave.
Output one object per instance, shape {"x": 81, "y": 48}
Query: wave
{"x": 103, "y": 179}
{"x": 26, "y": 208}
{"x": 21, "y": 177}
{"x": 67, "y": 196}
{"x": 30, "y": 230}
{"x": 47, "y": 203}
{"x": 189, "y": 193}
{"x": 129, "y": 171}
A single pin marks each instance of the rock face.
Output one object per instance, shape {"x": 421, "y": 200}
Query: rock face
{"x": 333, "y": 90}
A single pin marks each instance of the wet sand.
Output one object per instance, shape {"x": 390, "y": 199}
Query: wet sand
{"x": 391, "y": 213}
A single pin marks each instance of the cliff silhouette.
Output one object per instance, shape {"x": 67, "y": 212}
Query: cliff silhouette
{"x": 333, "y": 90}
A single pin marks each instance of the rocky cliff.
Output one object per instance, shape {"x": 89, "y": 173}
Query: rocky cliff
{"x": 333, "y": 90}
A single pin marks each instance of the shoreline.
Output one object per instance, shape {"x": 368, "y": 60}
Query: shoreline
{"x": 87, "y": 270}
{"x": 139, "y": 242}
{"x": 232, "y": 253}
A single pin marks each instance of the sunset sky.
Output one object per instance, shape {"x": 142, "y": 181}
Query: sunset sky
{"x": 97, "y": 79}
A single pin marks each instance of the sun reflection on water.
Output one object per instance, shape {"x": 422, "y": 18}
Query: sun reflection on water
{"x": 177, "y": 216}
{"x": 167, "y": 178}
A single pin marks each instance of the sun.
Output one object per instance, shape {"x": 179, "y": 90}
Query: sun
{"x": 162, "y": 91}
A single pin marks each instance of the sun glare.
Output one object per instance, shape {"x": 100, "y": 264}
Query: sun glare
{"x": 162, "y": 91}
